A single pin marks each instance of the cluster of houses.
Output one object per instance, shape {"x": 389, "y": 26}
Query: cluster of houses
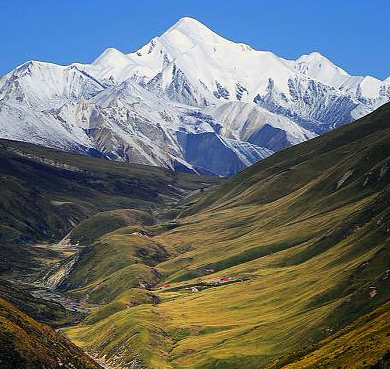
{"x": 206, "y": 284}
{"x": 201, "y": 285}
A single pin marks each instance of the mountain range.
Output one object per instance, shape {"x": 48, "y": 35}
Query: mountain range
{"x": 189, "y": 100}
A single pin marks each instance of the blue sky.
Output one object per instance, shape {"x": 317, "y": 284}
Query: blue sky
{"x": 354, "y": 34}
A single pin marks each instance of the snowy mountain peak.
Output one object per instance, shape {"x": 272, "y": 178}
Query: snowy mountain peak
{"x": 186, "y": 90}
{"x": 188, "y": 32}
{"x": 191, "y": 28}
{"x": 188, "y": 22}
{"x": 313, "y": 57}
{"x": 111, "y": 58}
{"x": 33, "y": 64}
{"x": 317, "y": 66}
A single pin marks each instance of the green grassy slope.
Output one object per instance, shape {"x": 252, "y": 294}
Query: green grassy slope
{"x": 363, "y": 344}
{"x": 46, "y": 192}
{"x": 137, "y": 340}
{"x": 117, "y": 261}
{"x": 27, "y": 344}
{"x": 305, "y": 236}
{"x": 93, "y": 228}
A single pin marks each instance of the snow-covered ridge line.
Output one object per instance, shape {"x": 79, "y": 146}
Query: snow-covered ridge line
{"x": 188, "y": 100}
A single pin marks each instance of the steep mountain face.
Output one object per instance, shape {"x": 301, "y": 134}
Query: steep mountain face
{"x": 187, "y": 86}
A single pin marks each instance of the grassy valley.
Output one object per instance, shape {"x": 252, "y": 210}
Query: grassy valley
{"x": 45, "y": 194}
{"x": 285, "y": 265}
{"x": 50, "y": 191}
{"x": 303, "y": 237}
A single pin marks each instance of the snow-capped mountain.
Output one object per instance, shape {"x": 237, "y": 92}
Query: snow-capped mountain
{"x": 189, "y": 100}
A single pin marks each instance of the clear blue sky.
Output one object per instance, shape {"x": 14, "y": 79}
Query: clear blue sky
{"x": 354, "y": 34}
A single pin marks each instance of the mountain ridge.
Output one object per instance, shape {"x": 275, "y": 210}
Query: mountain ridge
{"x": 189, "y": 81}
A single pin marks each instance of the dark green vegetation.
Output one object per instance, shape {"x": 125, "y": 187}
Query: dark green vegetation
{"x": 21, "y": 258}
{"x": 29, "y": 345}
{"x": 306, "y": 234}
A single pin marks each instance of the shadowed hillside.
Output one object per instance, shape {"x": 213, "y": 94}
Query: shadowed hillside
{"x": 29, "y": 345}
{"x": 45, "y": 193}
{"x": 44, "y": 311}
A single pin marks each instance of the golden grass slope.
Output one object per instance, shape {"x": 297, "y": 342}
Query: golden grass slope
{"x": 128, "y": 338}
